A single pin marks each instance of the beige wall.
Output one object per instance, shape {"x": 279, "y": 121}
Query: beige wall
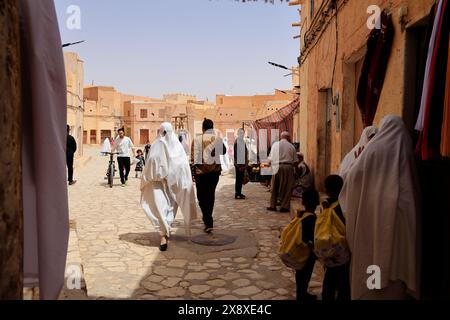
{"x": 11, "y": 213}
{"x": 316, "y": 76}
{"x": 232, "y": 111}
{"x": 75, "y": 97}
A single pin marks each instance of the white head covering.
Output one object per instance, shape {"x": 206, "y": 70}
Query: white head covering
{"x": 379, "y": 198}
{"x": 367, "y": 134}
{"x": 185, "y": 142}
{"x": 178, "y": 161}
{"x": 106, "y": 146}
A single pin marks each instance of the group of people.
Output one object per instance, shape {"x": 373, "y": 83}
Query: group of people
{"x": 124, "y": 148}
{"x": 376, "y": 196}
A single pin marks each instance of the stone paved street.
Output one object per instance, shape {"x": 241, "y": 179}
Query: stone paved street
{"x": 118, "y": 246}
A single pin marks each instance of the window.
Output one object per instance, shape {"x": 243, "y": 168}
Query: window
{"x": 144, "y": 114}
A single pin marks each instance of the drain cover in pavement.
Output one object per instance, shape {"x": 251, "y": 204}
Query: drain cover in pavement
{"x": 213, "y": 239}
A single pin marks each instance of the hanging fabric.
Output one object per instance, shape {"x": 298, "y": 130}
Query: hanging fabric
{"x": 445, "y": 134}
{"x": 429, "y": 143}
{"x": 283, "y": 120}
{"x": 425, "y": 91}
{"x": 374, "y": 69}
{"x": 44, "y": 132}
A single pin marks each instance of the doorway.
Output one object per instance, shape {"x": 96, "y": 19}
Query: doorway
{"x": 104, "y": 134}
{"x": 144, "y": 136}
{"x": 434, "y": 176}
{"x": 325, "y": 125}
{"x": 357, "y": 121}
{"x": 329, "y": 125}
{"x": 93, "y": 137}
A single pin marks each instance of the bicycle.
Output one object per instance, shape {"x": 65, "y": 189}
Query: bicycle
{"x": 111, "y": 171}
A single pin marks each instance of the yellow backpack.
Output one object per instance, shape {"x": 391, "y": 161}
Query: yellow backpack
{"x": 293, "y": 251}
{"x": 330, "y": 243}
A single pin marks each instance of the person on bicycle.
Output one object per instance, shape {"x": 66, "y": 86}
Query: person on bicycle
{"x": 124, "y": 147}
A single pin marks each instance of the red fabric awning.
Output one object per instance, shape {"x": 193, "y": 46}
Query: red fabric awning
{"x": 282, "y": 120}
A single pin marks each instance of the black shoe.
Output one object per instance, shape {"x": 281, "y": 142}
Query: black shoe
{"x": 163, "y": 247}
{"x": 307, "y": 298}
{"x": 284, "y": 210}
{"x": 272, "y": 209}
{"x": 240, "y": 197}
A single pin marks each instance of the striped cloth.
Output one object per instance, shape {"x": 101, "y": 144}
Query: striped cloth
{"x": 282, "y": 120}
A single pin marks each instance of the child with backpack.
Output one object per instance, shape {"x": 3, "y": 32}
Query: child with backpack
{"x": 310, "y": 201}
{"x": 331, "y": 246}
{"x": 297, "y": 245}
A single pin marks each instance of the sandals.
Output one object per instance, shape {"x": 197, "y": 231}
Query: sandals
{"x": 208, "y": 230}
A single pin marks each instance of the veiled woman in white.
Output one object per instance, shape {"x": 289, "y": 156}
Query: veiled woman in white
{"x": 367, "y": 134}
{"x": 380, "y": 199}
{"x": 106, "y": 148}
{"x": 166, "y": 185}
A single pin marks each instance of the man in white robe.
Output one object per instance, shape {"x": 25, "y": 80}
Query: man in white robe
{"x": 166, "y": 185}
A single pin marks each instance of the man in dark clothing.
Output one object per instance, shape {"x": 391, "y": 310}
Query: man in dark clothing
{"x": 240, "y": 163}
{"x": 70, "y": 152}
{"x": 205, "y": 155}
{"x": 336, "y": 279}
{"x": 147, "y": 149}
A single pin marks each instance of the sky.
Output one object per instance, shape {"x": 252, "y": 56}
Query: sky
{"x": 200, "y": 47}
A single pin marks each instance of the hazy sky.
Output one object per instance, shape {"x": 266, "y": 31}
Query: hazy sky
{"x": 202, "y": 47}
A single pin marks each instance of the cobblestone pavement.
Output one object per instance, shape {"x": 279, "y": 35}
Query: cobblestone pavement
{"x": 118, "y": 246}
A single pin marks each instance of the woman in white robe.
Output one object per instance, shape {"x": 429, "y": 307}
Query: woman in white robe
{"x": 380, "y": 199}
{"x": 367, "y": 134}
{"x": 106, "y": 148}
{"x": 185, "y": 142}
{"x": 166, "y": 185}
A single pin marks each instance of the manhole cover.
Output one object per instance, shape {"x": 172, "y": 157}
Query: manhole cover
{"x": 213, "y": 239}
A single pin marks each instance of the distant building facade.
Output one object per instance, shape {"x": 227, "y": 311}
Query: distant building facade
{"x": 75, "y": 97}
{"x": 107, "y": 110}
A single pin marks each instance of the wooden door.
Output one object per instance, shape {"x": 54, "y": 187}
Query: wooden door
{"x": 144, "y": 136}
